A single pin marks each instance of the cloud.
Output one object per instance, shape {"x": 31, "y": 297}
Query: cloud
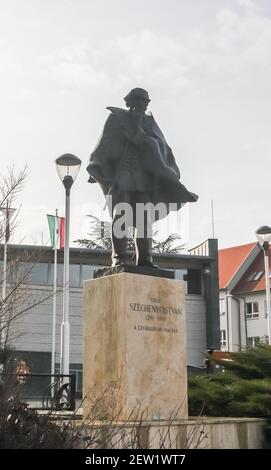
{"x": 240, "y": 41}
{"x": 249, "y": 6}
{"x": 246, "y": 38}
{"x": 75, "y": 52}
{"x": 144, "y": 56}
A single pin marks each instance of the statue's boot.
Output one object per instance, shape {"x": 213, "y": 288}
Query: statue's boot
{"x": 144, "y": 252}
{"x": 118, "y": 250}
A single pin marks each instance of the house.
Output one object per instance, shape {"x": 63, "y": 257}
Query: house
{"x": 242, "y": 297}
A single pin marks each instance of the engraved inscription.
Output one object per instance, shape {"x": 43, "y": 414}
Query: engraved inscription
{"x": 137, "y": 307}
{"x": 155, "y": 313}
{"x": 155, "y": 328}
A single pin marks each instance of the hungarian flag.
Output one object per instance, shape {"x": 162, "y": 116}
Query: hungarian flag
{"x": 57, "y": 231}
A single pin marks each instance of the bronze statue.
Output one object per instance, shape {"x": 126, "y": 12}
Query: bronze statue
{"x": 133, "y": 164}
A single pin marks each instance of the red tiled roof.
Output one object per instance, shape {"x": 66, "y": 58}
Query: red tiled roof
{"x": 256, "y": 267}
{"x": 230, "y": 260}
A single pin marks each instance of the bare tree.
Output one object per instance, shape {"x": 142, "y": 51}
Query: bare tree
{"x": 16, "y": 299}
{"x": 10, "y": 185}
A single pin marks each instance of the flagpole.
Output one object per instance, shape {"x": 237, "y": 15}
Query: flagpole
{"x": 4, "y": 285}
{"x": 54, "y": 305}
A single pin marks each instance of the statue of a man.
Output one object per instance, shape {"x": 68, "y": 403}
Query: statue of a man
{"x": 134, "y": 164}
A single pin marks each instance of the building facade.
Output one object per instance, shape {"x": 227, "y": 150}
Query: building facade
{"x": 242, "y": 297}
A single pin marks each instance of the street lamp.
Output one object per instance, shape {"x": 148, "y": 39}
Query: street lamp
{"x": 67, "y": 166}
{"x": 263, "y": 235}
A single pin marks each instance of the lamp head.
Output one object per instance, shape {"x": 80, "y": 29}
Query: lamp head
{"x": 68, "y": 166}
{"x": 263, "y": 235}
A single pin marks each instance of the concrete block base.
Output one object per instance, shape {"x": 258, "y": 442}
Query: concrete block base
{"x": 135, "y": 359}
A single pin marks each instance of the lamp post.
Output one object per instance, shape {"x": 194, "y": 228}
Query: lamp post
{"x": 263, "y": 235}
{"x": 68, "y": 166}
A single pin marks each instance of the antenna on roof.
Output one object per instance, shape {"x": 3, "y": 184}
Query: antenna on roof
{"x": 213, "y": 223}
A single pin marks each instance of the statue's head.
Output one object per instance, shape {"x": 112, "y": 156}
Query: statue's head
{"x": 137, "y": 99}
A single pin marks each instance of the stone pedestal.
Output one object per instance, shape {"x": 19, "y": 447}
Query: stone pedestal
{"x": 134, "y": 348}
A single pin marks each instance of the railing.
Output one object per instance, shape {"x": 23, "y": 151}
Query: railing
{"x": 44, "y": 391}
{"x": 200, "y": 250}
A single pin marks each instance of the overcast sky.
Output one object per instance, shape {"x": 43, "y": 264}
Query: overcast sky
{"x": 207, "y": 67}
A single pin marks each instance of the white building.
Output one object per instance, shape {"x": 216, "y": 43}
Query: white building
{"x": 243, "y": 317}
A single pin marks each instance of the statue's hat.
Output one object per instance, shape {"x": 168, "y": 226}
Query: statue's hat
{"x": 137, "y": 93}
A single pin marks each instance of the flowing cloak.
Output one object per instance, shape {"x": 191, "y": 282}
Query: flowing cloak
{"x": 156, "y": 157}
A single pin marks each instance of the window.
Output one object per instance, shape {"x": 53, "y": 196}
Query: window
{"x": 222, "y": 306}
{"x": 180, "y": 274}
{"x": 39, "y": 274}
{"x": 252, "y": 310}
{"x": 87, "y": 271}
{"x": 194, "y": 281}
{"x": 255, "y": 276}
{"x": 253, "y": 341}
{"x": 258, "y": 276}
{"x": 223, "y": 338}
{"x": 74, "y": 274}
{"x": 28, "y": 273}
